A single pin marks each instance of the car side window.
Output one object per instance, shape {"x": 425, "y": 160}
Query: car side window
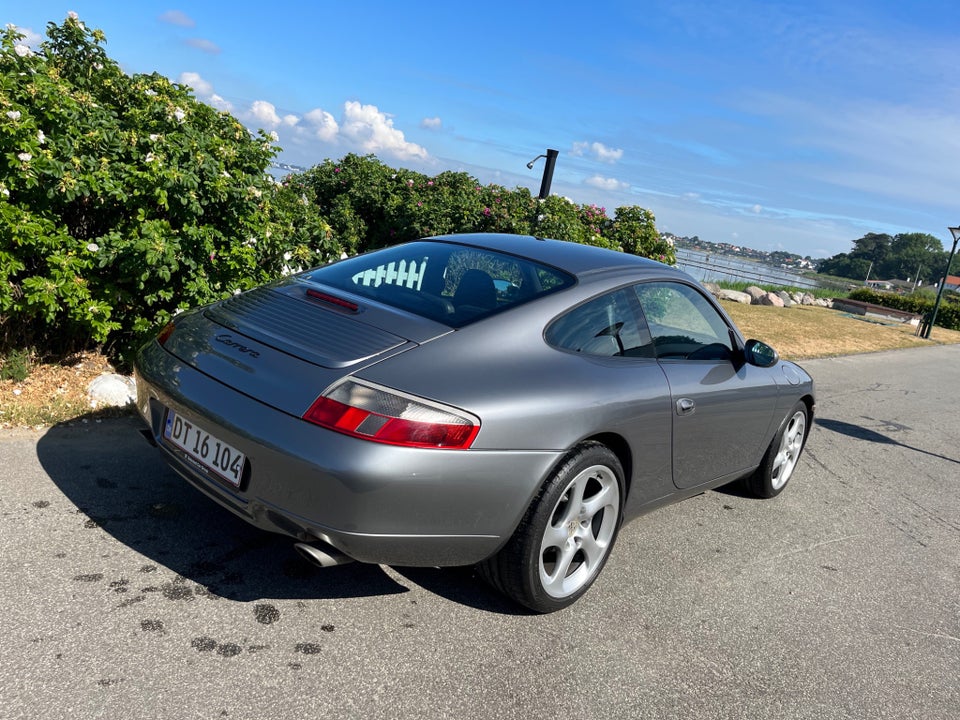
{"x": 607, "y": 326}
{"x": 683, "y": 322}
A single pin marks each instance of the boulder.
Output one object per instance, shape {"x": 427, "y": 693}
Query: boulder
{"x": 808, "y": 299}
{"x": 756, "y": 293}
{"x": 770, "y": 299}
{"x": 785, "y": 297}
{"x": 111, "y": 389}
{"x": 735, "y": 296}
{"x": 712, "y": 288}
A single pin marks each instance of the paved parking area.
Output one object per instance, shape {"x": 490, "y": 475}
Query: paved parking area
{"x": 127, "y": 594}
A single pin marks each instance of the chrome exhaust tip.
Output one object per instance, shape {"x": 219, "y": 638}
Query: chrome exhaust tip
{"x": 328, "y": 557}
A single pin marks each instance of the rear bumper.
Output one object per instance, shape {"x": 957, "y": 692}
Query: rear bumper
{"x": 374, "y": 503}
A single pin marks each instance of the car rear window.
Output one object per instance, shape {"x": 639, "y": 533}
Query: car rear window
{"x": 450, "y": 283}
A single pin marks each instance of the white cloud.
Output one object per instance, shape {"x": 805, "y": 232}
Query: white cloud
{"x": 219, "y": 103}
{"x": 207, "y": 46}
{"x": 264, "y": 113}
{"x": 607, "y": 184}
{"x": 176, "y": 17}
{"x": 598, "y": 150}
{"x": 200, "y": 86}
{"x": 434, "y": 123}
{"x": 757, "y": 209}
{"x": 372, "y": 131}
{"x": 321, "y": 125}
{"x": 30, "y": 38}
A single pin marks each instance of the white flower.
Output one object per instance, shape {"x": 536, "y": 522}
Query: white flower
{"x": 72, "y": 15}
{"x": 153, "y": 137}
{"x": 22, "y": 50}
{"x": 274, "y": 136}
{"x": 151, "y": 93}
{"x": 4, "y": 191}
{"x": 98, "y": 66}
{"x": 41, "y": 138}
{"x": 25, "y": 157}
{"x": 237, "y": 291}
{"x": 179, "y": 114}
{"x": 343, "y": 255}
{"x": 150, "y": 157}
{"x": 287, "y": 256}
{"x": 93, "y": 247}
{"x": 13, "y": 114}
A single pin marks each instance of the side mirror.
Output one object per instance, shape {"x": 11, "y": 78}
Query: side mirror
{"x": 760, "y": 354}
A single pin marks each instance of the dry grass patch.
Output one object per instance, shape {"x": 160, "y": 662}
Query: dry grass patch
{"x": 53, "y": 392}
{"x": 801, "y": 332}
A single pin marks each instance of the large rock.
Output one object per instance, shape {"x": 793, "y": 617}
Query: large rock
{"x": 712, "y": 288}
{"x": 808, "y": 299}
{"x": 111, "y": 389}
{"x": 755, "y": 293}
{"x": 735, "y": 296}
{"x": 770, "y": 299}
{"x": 785, "y": 297}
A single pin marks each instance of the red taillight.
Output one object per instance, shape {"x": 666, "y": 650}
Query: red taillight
{"x": 382, "y": 415}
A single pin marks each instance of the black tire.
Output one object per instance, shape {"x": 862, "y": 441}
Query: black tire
{"x": 782, "y": 455}
{"x": 567, "y": 534}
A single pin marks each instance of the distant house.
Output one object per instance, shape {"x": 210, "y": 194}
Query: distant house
{"x": 880, "y": 284}
{"x": 952, "y": 283}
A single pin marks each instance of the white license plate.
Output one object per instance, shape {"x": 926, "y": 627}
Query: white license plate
{"x": 210, "y": 452}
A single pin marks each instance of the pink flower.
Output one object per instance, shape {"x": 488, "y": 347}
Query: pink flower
{"x": 419, "y": 204}
{"x": 486, "y": 211}
{"x": 430, "y": 183}
{"x": 336, "y": 170}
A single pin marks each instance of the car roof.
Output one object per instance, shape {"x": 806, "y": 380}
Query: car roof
{"x": 575, "y": 258}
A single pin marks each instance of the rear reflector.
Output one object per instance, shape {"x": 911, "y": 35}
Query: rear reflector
{"x": 372, "y": 412}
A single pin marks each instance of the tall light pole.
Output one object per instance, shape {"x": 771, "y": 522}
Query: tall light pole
{"x": 955, "y": 231}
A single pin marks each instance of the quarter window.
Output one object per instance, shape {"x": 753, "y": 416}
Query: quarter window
{"x": 607, "y": 326}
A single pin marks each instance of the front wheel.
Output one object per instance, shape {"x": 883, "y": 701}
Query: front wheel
{"x": 782, "y": 456}
{"x": 566, "y": 536}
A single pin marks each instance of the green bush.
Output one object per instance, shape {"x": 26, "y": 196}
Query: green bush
{"x": 948, "y": 315}
{"x": 124, "y": 200}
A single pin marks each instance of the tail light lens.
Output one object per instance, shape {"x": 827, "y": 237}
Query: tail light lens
{"x": 372, "y": 412}
{"x": 165, "y": 333}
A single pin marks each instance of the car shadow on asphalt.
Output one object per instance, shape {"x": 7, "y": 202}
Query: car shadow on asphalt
{"x": 860, "y": 432}
{"x": 120, "y": 485}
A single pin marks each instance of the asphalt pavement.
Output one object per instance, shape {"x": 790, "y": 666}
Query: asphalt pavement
{"x": 127, "y": 594}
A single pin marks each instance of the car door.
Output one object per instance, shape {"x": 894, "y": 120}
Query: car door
{"x": 627, "y": 385}
{"x": 722, "y": 406}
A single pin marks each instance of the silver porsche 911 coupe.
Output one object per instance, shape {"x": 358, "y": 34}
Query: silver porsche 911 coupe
{"x": 498, "y": 400}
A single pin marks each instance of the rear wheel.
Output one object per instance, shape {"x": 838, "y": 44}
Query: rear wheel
{"x": 782, "y": 456}
{"x": 566, "y": 536}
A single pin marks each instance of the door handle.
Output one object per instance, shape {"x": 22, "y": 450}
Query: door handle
{"x": 685, "y": 406}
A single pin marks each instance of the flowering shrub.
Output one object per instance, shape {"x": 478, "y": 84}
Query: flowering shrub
{"x": 122, "y": 198}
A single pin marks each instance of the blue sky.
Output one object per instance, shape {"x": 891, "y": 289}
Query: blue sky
{"x": 796, "y": 126}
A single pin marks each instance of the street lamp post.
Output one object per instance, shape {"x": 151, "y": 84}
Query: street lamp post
{"x": 551, "y": 157}
{"x": 955, "y": 231}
